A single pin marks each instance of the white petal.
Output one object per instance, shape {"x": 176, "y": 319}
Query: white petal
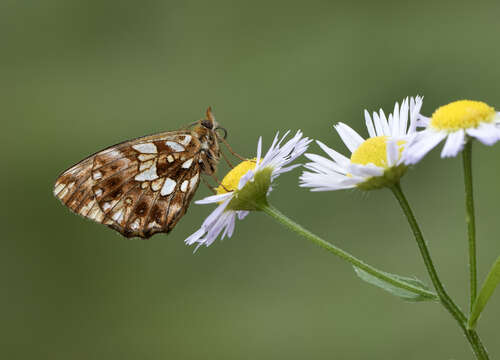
{"x": 403, "y": 118}
{"x": 392, "y": 152}
{"x": 242, "y": 214}
{"x": 424, "y": 142}
{"x": 369, "y": 125}
{"x": 319, "y": 182}
{"x": 195, "y": 236}
{"x": 350, "y": 137}
{"x": 214, "y": 215}
{"x": 385, "y": 124}
{"x": 488, "y": 134}
{"x": 324, "y": 162}
{"x": 395, "y": 114}
{"x": 248, "y": 176}
{"x": 337, "y": 157}
{"x": 422, "y": 121}
{"x": 214, "y": 198}
{"x": 391, "y": 123}
{"x": 259, "y": 149}
{"x": 367, "y": 170}
{"x": 454, "y": 144}
{"x": 325, "y": 177}
{"x": 378, "y": 125}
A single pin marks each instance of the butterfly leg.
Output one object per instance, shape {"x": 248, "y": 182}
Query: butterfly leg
{"x": 218, "y": 182}
{"x": 227, "y": 160}
{"x": 208, "y": 185}
{"x": 230, "y": 149}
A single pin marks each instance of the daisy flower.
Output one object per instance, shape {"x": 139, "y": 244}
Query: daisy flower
{"x": 455, "y": 122}
{"x": 246, "y": 186}
{"x": 375, "y": 162}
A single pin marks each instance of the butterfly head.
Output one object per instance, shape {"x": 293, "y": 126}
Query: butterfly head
{"x": 209, "y": 123}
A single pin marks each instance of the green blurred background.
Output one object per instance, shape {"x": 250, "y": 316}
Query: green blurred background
{"x": 78, "y": 76}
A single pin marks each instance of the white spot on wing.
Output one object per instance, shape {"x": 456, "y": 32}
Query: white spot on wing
{"x": 118, "y": 216}
{"x": 145, "y": 165}
{"x": 135, "y": 224}
{"x": 147, "y": 148}
{"x": 100, "y": 216}
{"x": 170, "y": 158}
{"x": 187, "y": 163}
{"x": 63, "y": 193}
{"x": 174, "y": 146}
{"x": 98, "y": 192}
{"x": 156, "y": 185}
{"x": 153, "y": 224}
{"x": 149, "y": 174}
{"x": 193, "y": 181}
{"x": 58, "y": 188}
{"x": 174, "y": 208}
{"x": 186, "y": 140}
{"x": 168, "y": 187}
{"x": 184, "y": 185}
{"x": 95, "y": 213}
{"x": 85, "y": 209}
{"x": 106, "y": 206}
{"x": 96, "y": 175}
{"x": 146, "y": 157}
{"x": 112, "y": 153}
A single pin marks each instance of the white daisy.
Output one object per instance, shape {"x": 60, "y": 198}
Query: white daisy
{"x": 246, "y": 186}
{"x": 454, "y": 122}
{"x": 375, "y": 162}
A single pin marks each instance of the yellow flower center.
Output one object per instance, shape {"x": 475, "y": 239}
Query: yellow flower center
{"x": 373, "y": 151}
{"x": 463, "y": 114}
{"x": 232, "y": 178}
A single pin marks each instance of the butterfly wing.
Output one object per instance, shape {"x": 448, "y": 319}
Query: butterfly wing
{"x": 139, "y": 187}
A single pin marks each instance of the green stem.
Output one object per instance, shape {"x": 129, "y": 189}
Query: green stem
{"x": 478, "y": 348}
{"x": 471, "y": 223}
{"x": 290, "y": 224}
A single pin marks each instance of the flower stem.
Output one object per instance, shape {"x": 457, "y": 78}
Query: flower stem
{"x": 477, "y": 347}
{"x": 292, "y": 225}
{"x": 471, "y": 222}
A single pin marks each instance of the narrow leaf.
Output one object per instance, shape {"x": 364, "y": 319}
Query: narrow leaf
{"x": 404, "y": 294}
{"x": 491, "y": 282}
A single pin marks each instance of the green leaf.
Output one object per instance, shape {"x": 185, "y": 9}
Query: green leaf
{"x": 489, "y": 286}
{"x": 400, "y": 292}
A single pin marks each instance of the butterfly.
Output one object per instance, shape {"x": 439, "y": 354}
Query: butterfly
{"x": 143, "y": 186}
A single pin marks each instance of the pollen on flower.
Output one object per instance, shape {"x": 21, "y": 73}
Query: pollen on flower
{"x": 232, "y": 178}
{"x": 373, "y": 151}
{"x": 462, "y": 114}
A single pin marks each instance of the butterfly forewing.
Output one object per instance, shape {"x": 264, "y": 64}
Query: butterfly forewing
{"x": 140, "y": 187}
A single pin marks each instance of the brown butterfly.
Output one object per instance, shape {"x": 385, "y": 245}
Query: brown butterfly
{"x": 143, "y": 186}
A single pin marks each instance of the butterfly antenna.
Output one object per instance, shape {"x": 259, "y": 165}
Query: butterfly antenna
{"x": 227, "y": 160}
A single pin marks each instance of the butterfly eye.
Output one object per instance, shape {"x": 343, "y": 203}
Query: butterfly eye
{"x": 207, "y": 123}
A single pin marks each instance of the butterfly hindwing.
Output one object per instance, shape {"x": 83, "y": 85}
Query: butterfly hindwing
{"x": 140, "y": 187}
